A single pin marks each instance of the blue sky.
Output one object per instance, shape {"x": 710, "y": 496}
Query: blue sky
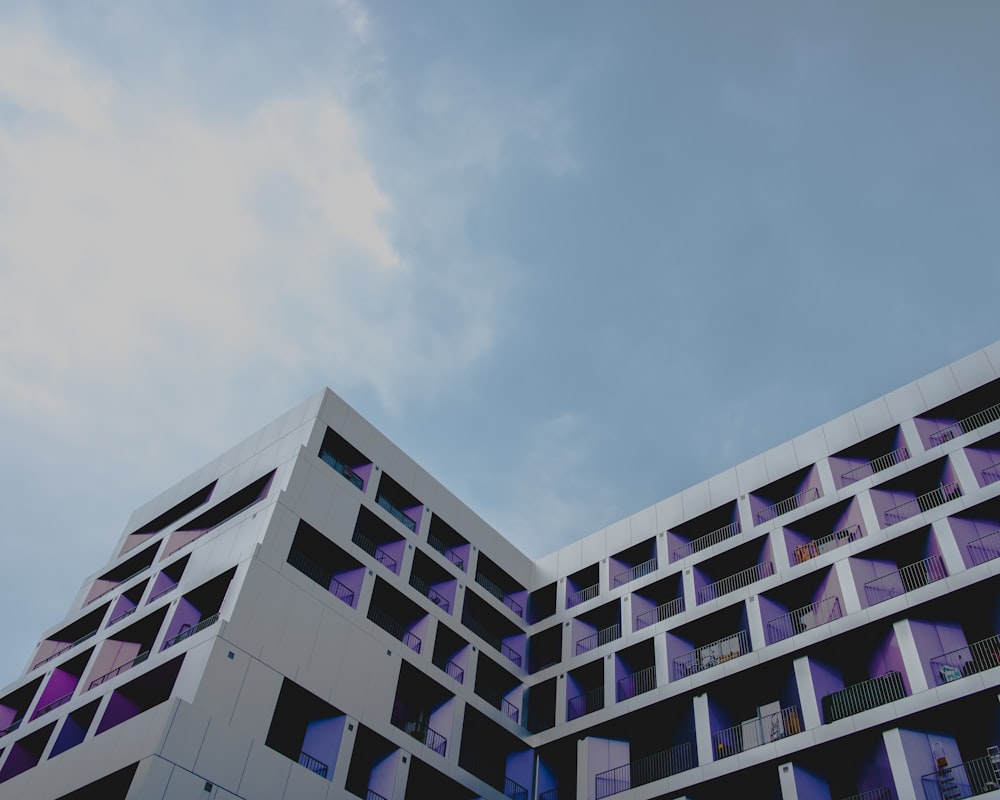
{"x": 572, "y": 257}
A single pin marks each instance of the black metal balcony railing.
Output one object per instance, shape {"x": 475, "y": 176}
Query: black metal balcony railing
{"x": 599, "y": 638}
{"x": 788, "y": 504}
{"x": 646, "y": 769}
{"x": 424, "y": 734}
{"x": 451, "y": 669}
{"x": 968, "y": 660}
{"x": 509, "y": 710}
{"x": 803, "y": 619}
{"x": 373, "y": 795}
{"x": 62, "y": 650}
{"x": 863, "y": 696}
{"x": 660, "y": 613}
{"x": 710, "y": 655}
{"x": 429, "y": 592}
{"x": 490, "y": 586}
{"x": 510, "y": 653}
{"x": 397, "y": 513}
{"x": 550, "y": 794}
{"x": 54, "y": 704}
{"x": 342, "y": 468}
{"x": 107, "y": 676}
{"x": 314, "y": 764}
{"x": 875, "y": 465}
{"x": 514, "y": 790}
{"x": 923, "y": 502}
{"x": 376, "y": 552}
{"x": 991, "y": 474}
{"x": 699, "y": 544}
{"x": 977, "y": 420}
{"x": 582, "y": 595}
{"x": 321, "y": 575}
{"x": 633, "y": 573}
{"x": 119, "y": 583}
{"x": 639, "y": 682}
{"x": 180, "y": 637}
{"x": 162, "y": 592}
{"x": 12, "y": 727}
{"x": 756, "y": 732}
{"x": 825, "y": 544}
{"x": 394, "y": 627}
{"x": 586, "y": 703}
{"x": 448, "y": 552}
{"x": 882, "y": 793}
{"x": 968, "y": 779}
{"x": 985, "y": 548}
{"x": 912, "y": 576}
{"x": 126, "y": 613}
{"x": 736, "y": 581}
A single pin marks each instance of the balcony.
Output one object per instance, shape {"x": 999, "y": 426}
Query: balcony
{"x": 882, "y": 793}
{"x": 635, "y": 684}
{"x": 601, "y": 637}
{"x": 314, "y": 764}
{"x": 757, "y": 732}
{"x": 514, "y": 790}
{"x": 923, "y": 502}
{"x": 424, "y": 734}
{"x": 446, "y": 551}
{"x": 786, "y": 505}
{"x": 590, "y": 701}
{"x": 491, "y": 587}
{"x": 321, "y": 575}
{"x": 633, "y": 573}
{"x": 711, "y": 655}
{"x": 397, "y": 513}
{"x": 107, "y": 676}
{"x": 991, "y": 474}
{"x": 430, "y": 592}
{"x": 863, "y": 696}
{"x": 702, "y": 542}
{"x": 394, "y": 627}
{"x": 985, "y": 548}
{"x": 970, "y": 423}
{"x": 968, "y": 779}
{"x": 184, "y": 634}
{"x": 803, "y": 619}
{"x": 738, "y": 580}
{"x": 376, "y": 552}
{"x": 968, "y": 660}
{"x": 825, "y": 544}
{"x": 343, "y": 469}
{"x": 875, "y": 465}
{"x": 646, "y": 769}
{"x": 908, "y": 578}
{"x": 660, "y": 613}
{"x": 582, "y": 595}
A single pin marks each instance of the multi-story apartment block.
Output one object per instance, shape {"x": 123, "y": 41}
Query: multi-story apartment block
{"x": 313, "y": 616}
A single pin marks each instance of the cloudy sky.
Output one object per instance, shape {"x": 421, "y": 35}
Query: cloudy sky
{"x": 573, "y": 257}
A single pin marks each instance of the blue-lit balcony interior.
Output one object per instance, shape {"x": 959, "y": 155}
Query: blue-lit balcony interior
{"x": 69, "y": 637}
{"x": 785, "y": 495}
{"x": 718, "y": 525}
{"x": 399, "y": 616}
{"x": 26, "y": 752}
{"x": 422, "y": 775}
{"x": 557, "y": 769}
{"x": 635, "y": 670}
{"x": 542, "y": 603}
{"x": 451, "y": 654}
{"x": 708, "y": 642}
{"x": 917, "y": 491}
{"x": 545, "y": 648}
{"x": 823, "y": 531}
{"x": 434, "y": 582}
{"x": 14, "y": 707}
{"x": 857, "y": 671}
{"x": 121, "y": 574}
{"x": 585, "y": 689}
{"x": 496, "y": 756}
{"x": 633, "y": 563}
{"x": 656, "y": 602}
{"x": 222, "y": 512}
{"x": 166, "y": 580}
{"x": 899, "y": 566}
{"x": 61, "y": 684}
{"x": 74, "y": 729}
{"x": 168, "y": 518}
{"x": 984, "y": 458}
{"x": 977, "y": 532}
{"x": 127, "y": 603}
{"x": 583, "y": 585}
{"x": 306, "y": 729}
{"x": 854, "y": 767}
{"x": 650, "y": 745}
{"x": 346, "y": 460}
{"x": 379, "y": 541}
{"x": 810, "y": 602}
{"x": 423, "y": 709}
{"x": 371, "y": 773}
{"x": 760, "y": 708}
{"x": 495, "y": 628}
{"x": 970, "y": 411}
{"x": 125, "y": 649}
{"x": 540, "y": 699}
{"x": 501, "y": 585}
{"x": 454, "y": 547}
{"x": 957, "y": 636}
{"x": 499, "y": 688}
{"x": 326, "y": 564}
{"x": 399, "y": 504}
{"x": 733, "y": 570}
{"x": 596, "y": 628}
{"x": 864, "y": 459}
{"x": 198, "y": 609}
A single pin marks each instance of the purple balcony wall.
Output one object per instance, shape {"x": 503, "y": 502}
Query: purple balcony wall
{"x": 442, "y": 718}
{"x": 60, "y": 684}
{"x": 826, "y": 680}
{"x": 352, "y": 579}
{"x": 580, "y": 629}
{"x": 876, "y": 771}
{"x": 763, "y": 502}
{"x": 322, "y": 740}
{"x": 185, "y": 616}
{"x": 674, "y": 541}
{"x": 20, "y": 760}
{"x": 829, "y": 587}
{"x": 113, "y": 654}
{"x": 919, "y": 750}
{"x": 419, "y": 628}
{"x": 865, "y": 570}
{"x": 382, "y": 778}
{"x": 447, "y": 589}
{"x": 978, "y": 539}
{"x": 933, "y": 639}
{"x": 547, "y": 778}
{"x": 927, "y": 427}
{"x": 640, "y": 605}
{"x": 602, "y": 755}
{"x": 985, "y": 464}
{"x": 162, "y": 584}
{"x": 809, "y": 786}
{"x": 676, "y": 647}
{"x": 518, "y": 644}
{"x": 99, "y": 588}
{"x": 120, "y": 708}
{"x": 365, "y": 473}
{"x": 122, "y": 608}
{"x": 888, "y": 658}
{"x": 71, "y": 734}
{"x": 769, "y": 610}
{"x": 395, "y": 551}
{"x": 521, "y": 767}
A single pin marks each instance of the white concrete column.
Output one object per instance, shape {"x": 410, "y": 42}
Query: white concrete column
{"x": 807, "y": 693}
{"x": 662, "y": 662}
{"x": 868, "y": 514}
{"x": 913, "y": 441}
{"x": 848, "y": 589}
{"x": 703, "y": 730}
{"x": 905, "y": 790}
{"x": 953, "y": 561}
{"x": 911, "y": 658}
{"x": 966, "y": 475}
{"x": 796, "y": 782}
{"x": 687, "y": 585}
{"x": 756, "y": 624}
{"x": 347, "y": 739}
